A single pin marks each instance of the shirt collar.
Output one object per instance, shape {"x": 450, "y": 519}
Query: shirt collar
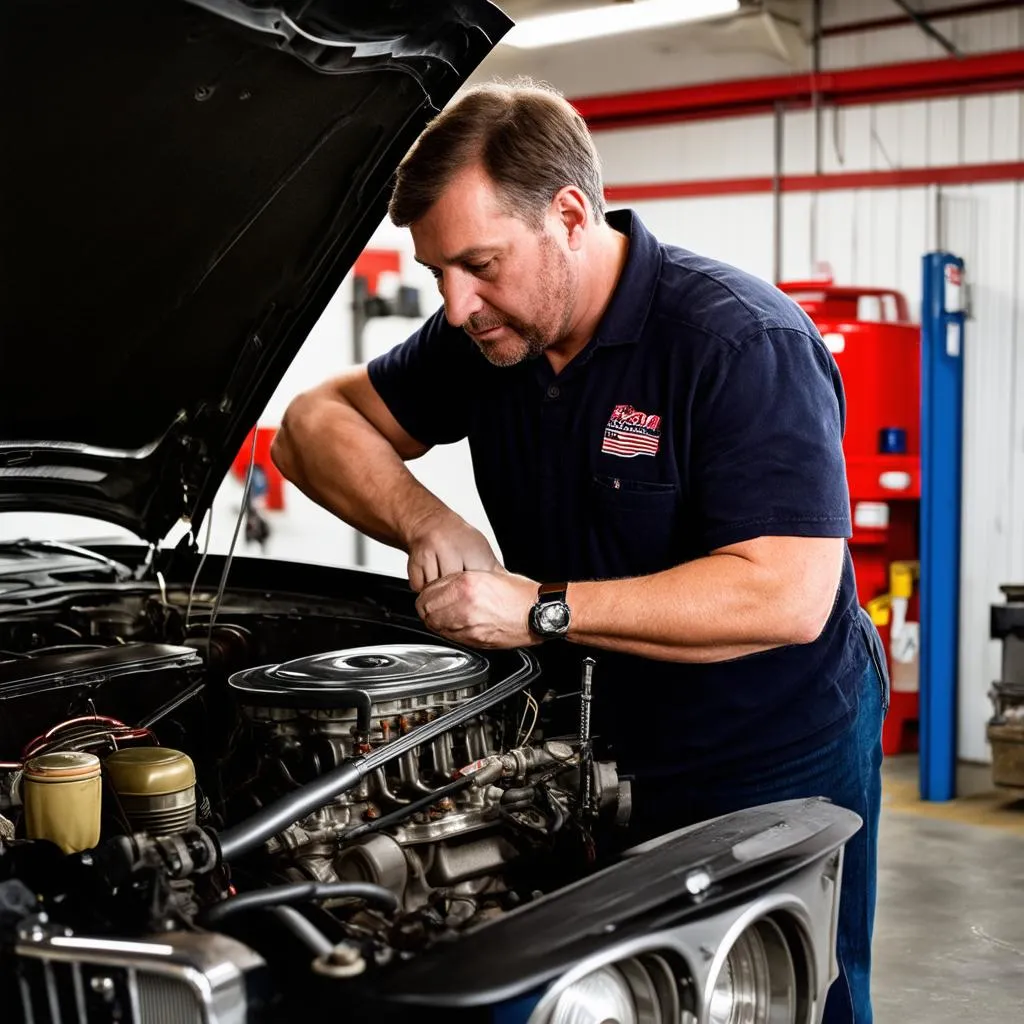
{"x": 624, "y": 319}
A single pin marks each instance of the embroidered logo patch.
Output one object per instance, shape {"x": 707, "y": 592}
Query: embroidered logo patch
{"x": 630, "y": 433}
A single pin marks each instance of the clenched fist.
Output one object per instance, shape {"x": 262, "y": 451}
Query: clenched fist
{"x": 480, "y": 608}
{"x": 444, "y": 543}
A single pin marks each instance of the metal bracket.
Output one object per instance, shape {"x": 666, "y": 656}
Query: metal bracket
{"x": 922, "y": 22}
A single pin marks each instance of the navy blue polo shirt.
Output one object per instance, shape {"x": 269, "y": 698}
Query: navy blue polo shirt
{"x": 706, "y": 410}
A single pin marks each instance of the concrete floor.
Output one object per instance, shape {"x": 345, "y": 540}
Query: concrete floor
{"x": 949, "y": 928}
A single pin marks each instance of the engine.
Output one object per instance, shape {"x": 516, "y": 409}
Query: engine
{"x": 439, "y": 824}
{"x": 201, "y": 768}
{"x": 300, "y": 805}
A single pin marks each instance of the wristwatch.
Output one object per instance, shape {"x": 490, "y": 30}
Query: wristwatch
{"x": 550, "y": 616}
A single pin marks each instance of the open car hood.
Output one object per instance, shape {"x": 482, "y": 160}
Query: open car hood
{"x": 185, "y": 184}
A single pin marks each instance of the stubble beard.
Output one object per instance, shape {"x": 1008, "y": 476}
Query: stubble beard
{"x": 555, "y": 295}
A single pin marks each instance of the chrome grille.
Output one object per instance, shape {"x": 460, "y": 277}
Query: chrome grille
{"x": 180, "y": 978}
{"x": 167, "y": 1001}
{"x": 52, "y": 992}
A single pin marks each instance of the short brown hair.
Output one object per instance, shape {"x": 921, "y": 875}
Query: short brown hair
{"x": 528, "y": 138}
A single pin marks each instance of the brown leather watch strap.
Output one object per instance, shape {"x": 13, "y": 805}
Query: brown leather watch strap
{"x": 550, "y": 588}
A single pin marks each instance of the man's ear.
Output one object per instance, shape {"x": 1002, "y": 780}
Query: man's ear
{"x": 572, "y": 214}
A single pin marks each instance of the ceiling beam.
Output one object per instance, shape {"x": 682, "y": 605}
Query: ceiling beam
{"x": 990, "y": 72}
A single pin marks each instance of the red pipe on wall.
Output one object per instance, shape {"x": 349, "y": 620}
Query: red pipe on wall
{"x": 990, "y": 72}
{"x": 960, "y": 174}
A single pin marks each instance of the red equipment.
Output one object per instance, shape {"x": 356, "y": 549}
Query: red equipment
{"x": 262, "y": 459}
{"x": 878, "y": 351}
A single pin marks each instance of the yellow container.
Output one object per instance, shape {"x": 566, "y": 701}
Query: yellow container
{"x": 61, "y": 794}
{"x": 902, "y": 576}
{"x": 156, "y": 787}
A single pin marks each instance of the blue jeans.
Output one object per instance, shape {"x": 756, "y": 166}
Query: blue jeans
{"x": 847, "y": 770}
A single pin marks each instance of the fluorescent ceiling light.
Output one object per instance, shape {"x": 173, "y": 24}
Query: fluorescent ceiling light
{"x": 612, "y": 19}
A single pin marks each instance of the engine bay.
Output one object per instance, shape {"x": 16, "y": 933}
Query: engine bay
{"x": 166, "y": 766}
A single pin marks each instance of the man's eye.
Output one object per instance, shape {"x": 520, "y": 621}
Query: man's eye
{"x": 477, "y": 268}
{"x": 435, "y": 273}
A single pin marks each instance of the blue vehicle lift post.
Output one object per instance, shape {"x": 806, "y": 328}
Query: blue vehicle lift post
{"x": 942, "y": 343}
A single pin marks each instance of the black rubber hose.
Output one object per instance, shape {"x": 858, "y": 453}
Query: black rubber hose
{"x": 301, "y": 892}
{"x": 247, "y": 835}
{"x": 404, "y": 811}
{"x": 303, "y": 929}
{"x": 522, "y": 796}
{"x": 270, "y": 820}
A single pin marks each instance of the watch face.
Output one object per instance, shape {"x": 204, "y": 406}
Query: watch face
{"x": 553, "y": 617}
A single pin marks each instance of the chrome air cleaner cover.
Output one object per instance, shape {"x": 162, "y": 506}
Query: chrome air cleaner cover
{"x": 385, "y": 672}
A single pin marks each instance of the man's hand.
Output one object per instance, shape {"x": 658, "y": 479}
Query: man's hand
{"x": 480, "y": 609}
{"x": 444, "y": 543}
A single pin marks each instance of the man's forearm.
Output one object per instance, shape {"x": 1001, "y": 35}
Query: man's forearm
{"x": 342, "y": 463}
{"x": 716, "y": 608}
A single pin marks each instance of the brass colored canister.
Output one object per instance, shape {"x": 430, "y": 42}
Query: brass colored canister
{"x": 156, "y": 787}
{"x": 61, "y": 794}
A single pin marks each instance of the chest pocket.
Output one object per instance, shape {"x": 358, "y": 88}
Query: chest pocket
{"x": 636, "y": 526}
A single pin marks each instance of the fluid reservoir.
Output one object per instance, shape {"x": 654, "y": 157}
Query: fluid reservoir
{"x": 156, "y": 787}
{"x": 61, "y": 794}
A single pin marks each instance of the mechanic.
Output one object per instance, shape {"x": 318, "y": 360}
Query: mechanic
{"x": 656, "y": 439}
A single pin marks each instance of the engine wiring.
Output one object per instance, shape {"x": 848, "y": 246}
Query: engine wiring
{"x": 84, "y": 732}
{"x": 531, "y": 704}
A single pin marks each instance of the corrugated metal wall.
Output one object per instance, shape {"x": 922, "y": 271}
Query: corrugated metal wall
{"x": 976, "y": 33}
{"x": 984, "y": 224}
{"x": 877, "y": 236}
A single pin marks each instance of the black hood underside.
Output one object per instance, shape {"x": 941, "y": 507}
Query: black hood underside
{"x": 185, "y": 185}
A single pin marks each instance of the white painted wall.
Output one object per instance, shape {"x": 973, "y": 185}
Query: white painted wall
{"x": 736, "y": 229}
{"x": 976, "y": 33}
{"x": 881, "y": 137}
{"x": 985, "y": 224}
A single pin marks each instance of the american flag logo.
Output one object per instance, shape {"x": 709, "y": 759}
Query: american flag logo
{"x": 630, "y": 433}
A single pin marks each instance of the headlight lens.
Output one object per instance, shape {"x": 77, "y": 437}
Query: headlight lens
{"x": 635, "y": 991}
{"x": 757, "y": 983}
{"x": 602, "y": 997}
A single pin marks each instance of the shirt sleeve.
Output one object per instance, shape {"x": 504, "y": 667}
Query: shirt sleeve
{"x": 767, "y": 454}
{"x": 427, "y": 381}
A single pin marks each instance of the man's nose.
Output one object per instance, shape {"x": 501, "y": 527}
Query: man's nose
{"x": 461, "y": 300}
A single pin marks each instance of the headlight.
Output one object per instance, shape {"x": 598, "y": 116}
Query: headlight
{"x": 634, "y": 991}
{"x": 757, "y": 982}
{"x": 602, "y": 995}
